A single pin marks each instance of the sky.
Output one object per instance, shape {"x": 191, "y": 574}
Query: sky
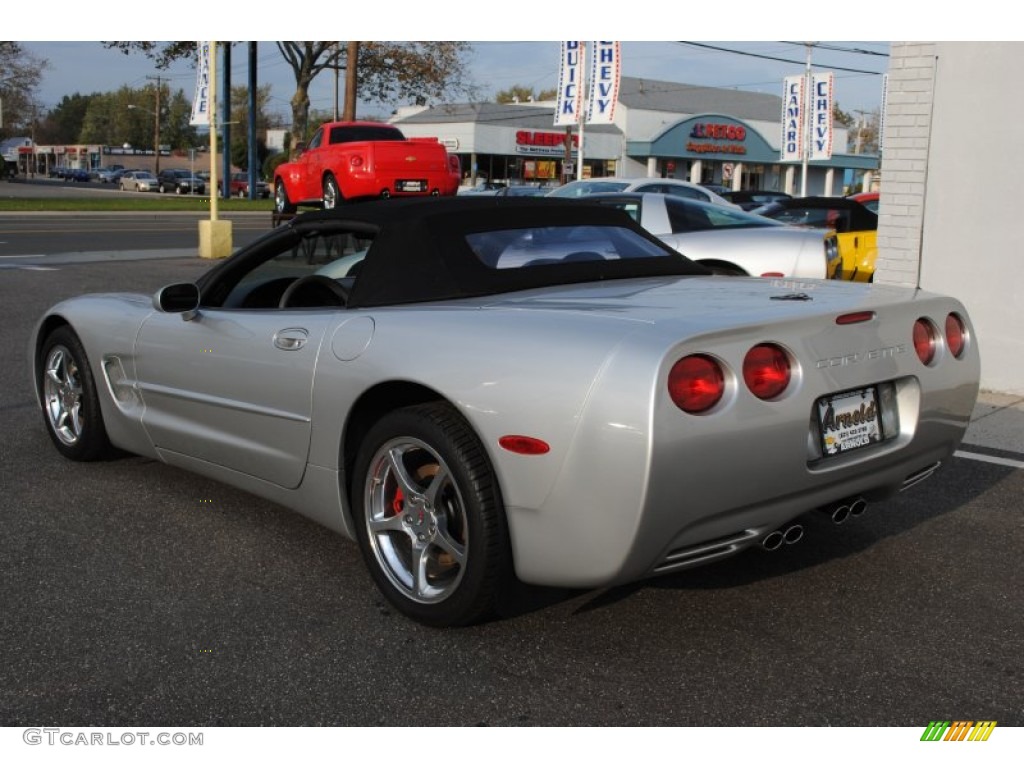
{"x": 88, "y": 67}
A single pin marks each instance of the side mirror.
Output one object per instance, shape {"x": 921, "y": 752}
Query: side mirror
{"x": 178, "y": 298}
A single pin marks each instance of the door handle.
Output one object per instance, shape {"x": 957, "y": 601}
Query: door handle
{"x": 291, "y": 339}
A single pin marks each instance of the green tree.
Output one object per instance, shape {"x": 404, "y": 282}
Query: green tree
{"x": 63, "y": 123}
{"x": 522, "y": 94}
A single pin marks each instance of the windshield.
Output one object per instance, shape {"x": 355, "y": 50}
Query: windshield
{"x": 584, "y": 188}
{"x": 539, "y": 246}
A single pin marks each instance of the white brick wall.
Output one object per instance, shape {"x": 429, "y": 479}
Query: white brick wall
{"x": 950, "y": 216}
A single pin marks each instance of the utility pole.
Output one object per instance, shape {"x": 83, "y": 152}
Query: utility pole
{"x": 156, "y": 129}
{"x": 351, "y": 79}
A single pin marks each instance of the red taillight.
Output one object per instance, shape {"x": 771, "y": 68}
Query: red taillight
{"x": 696, "y": 383}
{"x": 924, "y": 340}
{"x": 356, "y": 161}
{"x": 852, "y": 318}
{"x": 766, "y": 371}
{"x": 528, "y": 446}
{"x": 454, "y": 165}
{"x": 956, "y": 334}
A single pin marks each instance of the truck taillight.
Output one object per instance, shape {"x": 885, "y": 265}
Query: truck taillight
{"x": 454, "y": 166}
{"x": 696, "y": 383}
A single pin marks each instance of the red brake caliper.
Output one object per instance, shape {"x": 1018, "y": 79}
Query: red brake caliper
{"x": 398, "y": 502}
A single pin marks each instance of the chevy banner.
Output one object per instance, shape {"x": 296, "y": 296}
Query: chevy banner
{"x": 570, "y": 82}
{"x": 822, "y": 86}
{"x": 605, "y": 72}
{"x": 201, "y": 101}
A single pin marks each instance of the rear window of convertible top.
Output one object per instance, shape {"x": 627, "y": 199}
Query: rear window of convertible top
{"x": 539, "y": 246}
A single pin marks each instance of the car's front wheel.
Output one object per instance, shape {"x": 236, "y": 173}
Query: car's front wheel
{"x": 281, "y": 202}
{"x": 429, "y": 516}
{"x": 71, "y": 405}
{"x": 332, "y": 193}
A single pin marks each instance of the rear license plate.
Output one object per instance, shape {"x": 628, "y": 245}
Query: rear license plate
{"x": 849, "y": 420}
{"x": 409, "y": 185}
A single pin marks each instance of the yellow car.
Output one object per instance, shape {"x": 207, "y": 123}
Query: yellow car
{"x": 855, "y": 226}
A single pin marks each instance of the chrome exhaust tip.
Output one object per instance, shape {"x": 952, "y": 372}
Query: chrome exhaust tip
{"x": 793, "y": 534}
{"x": 773, "y": 541}
{"x": 840, "y": 514}
{"x": 858, "y": 507}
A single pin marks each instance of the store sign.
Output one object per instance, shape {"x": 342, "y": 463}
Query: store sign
{"x": 543, "y": 143}
{"x": 715, "y": 138}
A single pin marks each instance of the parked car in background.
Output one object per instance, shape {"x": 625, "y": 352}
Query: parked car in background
{"x": 749, "y": 199}
{"x": 106, "y": 175}
{"x": 355, "y": 160}
{"x": 729, "y": 241}
{"x": 240, "y": 186}
{"x": 522, "y": 190}
{"x": 137, "y": 181}
{"x": 868, "y": 199}
{"x": 483, "y": 188}
{"x": 75, "y": 174}
{"x": 179, "y": 181}
{"x": 854, "y": 225}
{"x": 601, "y": 410}
{"x": 675, "y": 187}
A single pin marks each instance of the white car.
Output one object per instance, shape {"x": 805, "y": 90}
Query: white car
{"x": 674, "y": 187}
{"x": 138, "y": 181}
{"x": 730, "y": 241}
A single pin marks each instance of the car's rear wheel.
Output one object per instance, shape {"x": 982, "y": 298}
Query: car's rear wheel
{"x": 71, "y": 405}
{"x": 281, "y": 202}
{"x": 332, "y": 193}
{"x": 429, "y": 516}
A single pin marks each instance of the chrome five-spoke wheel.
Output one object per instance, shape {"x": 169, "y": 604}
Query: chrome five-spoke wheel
{"x": 62, "y": 395}
{"x": 429, "y": 516}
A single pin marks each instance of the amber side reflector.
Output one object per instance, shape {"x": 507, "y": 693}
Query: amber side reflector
{"x": 528, "y": 446}
{"x": 851, "y": 318}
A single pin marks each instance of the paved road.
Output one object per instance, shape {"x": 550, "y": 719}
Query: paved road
{"x": 136, "y": 593}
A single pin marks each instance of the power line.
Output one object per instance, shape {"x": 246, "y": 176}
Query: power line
{"x": 772, "y": 58}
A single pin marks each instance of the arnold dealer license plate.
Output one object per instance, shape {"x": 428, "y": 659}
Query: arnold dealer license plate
{"x": 409, "y": 185}
{"x": 849, "y": 420}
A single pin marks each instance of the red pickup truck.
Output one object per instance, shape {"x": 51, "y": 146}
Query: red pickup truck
{"x": 359, "y": 160}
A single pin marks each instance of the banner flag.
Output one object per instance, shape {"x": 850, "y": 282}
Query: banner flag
{"x": 793, "y": 118}
{"x": 605, "y": 73}
{"x": 822, "y": 88}
{"x": 201, "y": 101}
{"x": 570, "y": 77}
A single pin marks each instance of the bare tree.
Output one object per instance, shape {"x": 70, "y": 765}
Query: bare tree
{"x": 20, "y": 74}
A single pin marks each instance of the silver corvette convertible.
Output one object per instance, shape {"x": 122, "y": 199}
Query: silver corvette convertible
{"x": 483, "y": 389}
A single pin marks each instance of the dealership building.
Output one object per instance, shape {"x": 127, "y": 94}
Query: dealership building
{"x": 661, "y": 129}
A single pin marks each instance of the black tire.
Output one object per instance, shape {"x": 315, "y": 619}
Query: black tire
{"x": 71, "y": 406}
{"x": 332, "y": 192}
{"x": 281, "y": 202}
{"x": 444, "y": 518}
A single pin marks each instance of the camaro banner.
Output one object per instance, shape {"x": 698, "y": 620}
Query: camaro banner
{"x": 605, "y": 72}
{"x": 570, "y": 81}
{"x": 201, "y": 101}
{"x": 793, "y": 118}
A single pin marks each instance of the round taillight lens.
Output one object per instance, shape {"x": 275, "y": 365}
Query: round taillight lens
{"x": 696, "y": 383}
{"x": 766, "y": 371}
{"x": 956, "y": 334}
{"x": 924, "y": 340}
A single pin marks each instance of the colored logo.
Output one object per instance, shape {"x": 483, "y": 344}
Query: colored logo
{"x": 958, "y": 730}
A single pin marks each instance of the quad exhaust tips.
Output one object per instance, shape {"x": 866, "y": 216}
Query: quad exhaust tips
{"x": 841, "y": 511}
{"x": 789, "y": 535}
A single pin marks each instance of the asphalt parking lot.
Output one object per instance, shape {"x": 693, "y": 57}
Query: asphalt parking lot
{"x": 137, "y": 593}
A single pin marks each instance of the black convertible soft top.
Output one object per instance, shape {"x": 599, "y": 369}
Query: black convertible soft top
{"x": 420, "y": 250}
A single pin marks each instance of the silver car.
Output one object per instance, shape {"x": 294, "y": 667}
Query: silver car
{"x": 477, "y": 389}
{"x": 674, "y": 187}
{"x": 730, "y": 241}
{"x": 137, "y": 181}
